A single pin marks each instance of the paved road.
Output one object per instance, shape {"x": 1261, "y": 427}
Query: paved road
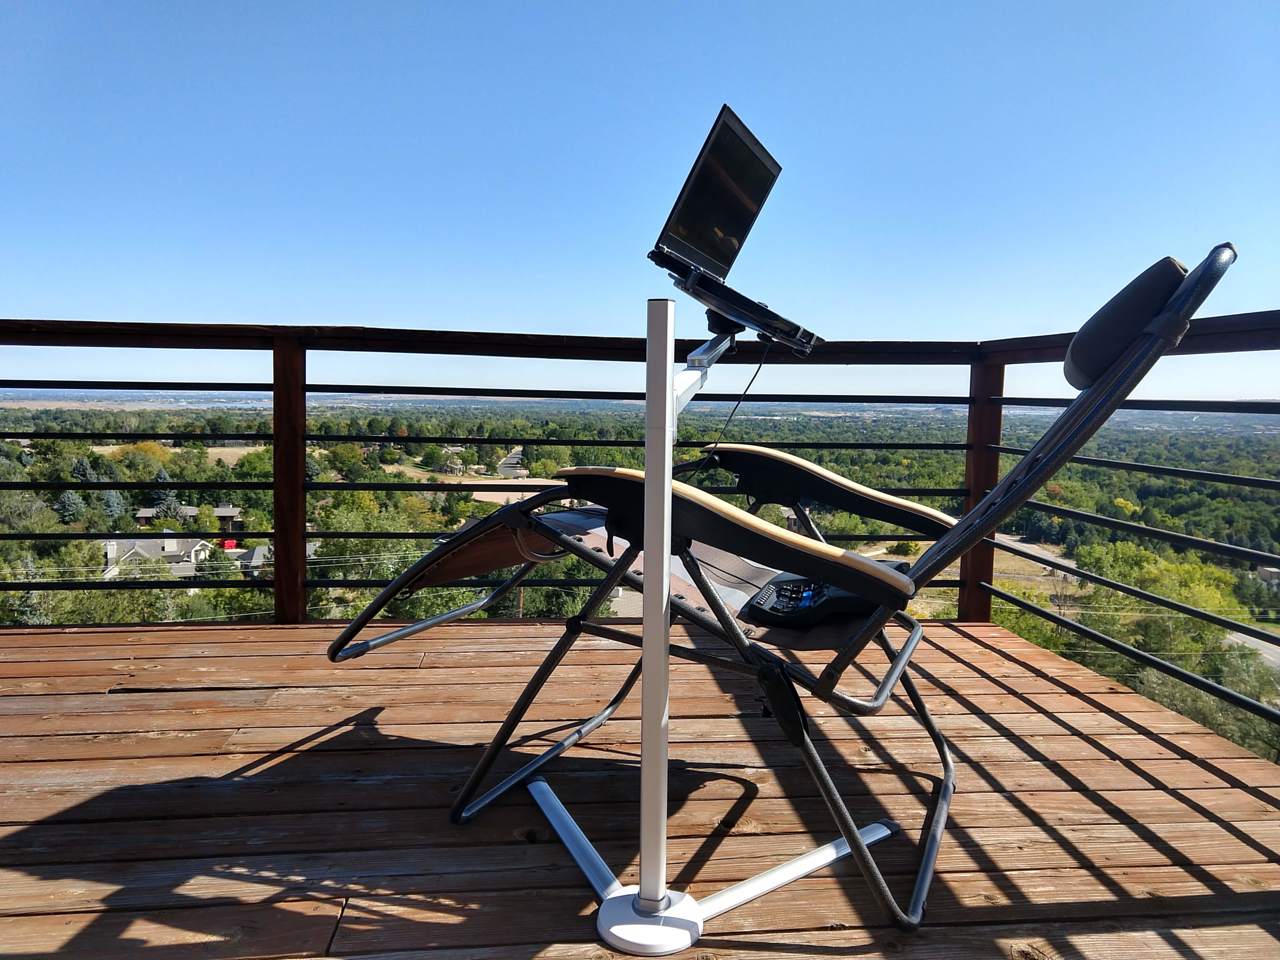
{"x": 1033, "y": 548}
{"x": 512, "y": 465}
{"x": 1270, "y": 652}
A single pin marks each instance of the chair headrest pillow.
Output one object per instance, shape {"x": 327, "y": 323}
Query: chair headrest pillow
{"x": 1108, "y": 333}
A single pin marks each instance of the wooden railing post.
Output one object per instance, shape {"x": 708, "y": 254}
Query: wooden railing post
{"x": 981, "y": 472}
{"x": 289, "y": 452}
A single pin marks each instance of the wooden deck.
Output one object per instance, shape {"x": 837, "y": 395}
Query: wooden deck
{"x": 224, "y": 792}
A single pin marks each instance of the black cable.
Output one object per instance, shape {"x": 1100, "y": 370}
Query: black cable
{"x": 747, "y": 389}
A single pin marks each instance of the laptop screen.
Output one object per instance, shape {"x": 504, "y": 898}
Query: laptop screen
{"x": 721, "y": 198}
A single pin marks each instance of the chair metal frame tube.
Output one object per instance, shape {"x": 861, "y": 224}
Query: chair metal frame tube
{"x": 936, "y": 821}
{"x": 344, "y": 646}
{"x": 464, "y": 809}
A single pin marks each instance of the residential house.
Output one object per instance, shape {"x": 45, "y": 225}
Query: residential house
{"x": 181, "y": 554}
{"x": 145, "y": 515}
{"x": 256, "y": 561}
{"x": 229, "y": 518}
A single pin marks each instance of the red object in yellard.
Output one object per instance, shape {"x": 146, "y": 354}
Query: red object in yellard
{"x": 228, "y": 544}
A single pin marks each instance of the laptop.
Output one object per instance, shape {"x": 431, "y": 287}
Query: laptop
{"x": 713, "y": 214}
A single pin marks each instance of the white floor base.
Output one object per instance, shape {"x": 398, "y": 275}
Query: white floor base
{"x": 625, "y": 928}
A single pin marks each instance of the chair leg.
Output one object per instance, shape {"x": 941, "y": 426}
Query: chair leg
{"x": 784, "y": 701}
{"x": 464, "y": 808}
{"x": 779, "y": 687}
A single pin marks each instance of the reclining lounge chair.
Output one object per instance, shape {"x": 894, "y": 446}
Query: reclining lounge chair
{"x": 723, "y": 555}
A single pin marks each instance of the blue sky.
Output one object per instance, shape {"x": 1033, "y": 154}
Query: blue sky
{"x": 949, "y": 171}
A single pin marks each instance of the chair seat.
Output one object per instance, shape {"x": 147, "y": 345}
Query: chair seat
{"x": 735, "y": 578}
{"x": 704, "y": 518}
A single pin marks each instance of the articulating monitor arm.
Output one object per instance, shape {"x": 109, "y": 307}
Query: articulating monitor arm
{"x": 723, "y": 304}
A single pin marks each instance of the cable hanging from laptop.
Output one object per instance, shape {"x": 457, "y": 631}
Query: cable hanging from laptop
{"x": 696, "y": 467}
{"x": 745, "y": 390}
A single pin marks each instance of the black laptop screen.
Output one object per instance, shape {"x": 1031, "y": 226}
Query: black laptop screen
{"x": 722, "y": 197}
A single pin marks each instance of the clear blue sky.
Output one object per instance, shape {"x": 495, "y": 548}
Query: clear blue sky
{"x": 949, "y": 170}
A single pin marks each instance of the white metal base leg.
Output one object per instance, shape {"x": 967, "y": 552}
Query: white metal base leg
{"x": 597, "y": 872}
{"x": 801, "y": 866}
{"x": 622, "y": 922}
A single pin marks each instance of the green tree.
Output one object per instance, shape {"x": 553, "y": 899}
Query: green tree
{"x": 434, "y": 457}
{"x": 162, "y": 498}
{"x": 83, "y": 471}
{"x": 1187, "y": 642}
{"x": 114, "y": 505}
{"x": 70, "y": 507}
{"x": 204, "y": 520}
{"x": 348, "y": 460}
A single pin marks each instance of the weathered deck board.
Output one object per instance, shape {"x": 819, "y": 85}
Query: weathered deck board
{"x": 225, "y": 793}
{"x": 1227, "y": 937}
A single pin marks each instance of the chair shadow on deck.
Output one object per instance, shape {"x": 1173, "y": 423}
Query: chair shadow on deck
{"x": 351, "y": 824}
{"x": 1005, "y": 903}
{"x": 351, "y": 818}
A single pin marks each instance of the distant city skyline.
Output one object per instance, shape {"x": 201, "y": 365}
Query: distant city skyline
{"x": 949, "y": 173}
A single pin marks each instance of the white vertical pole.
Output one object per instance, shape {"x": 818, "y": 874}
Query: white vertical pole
{"x": 659, "y": 436}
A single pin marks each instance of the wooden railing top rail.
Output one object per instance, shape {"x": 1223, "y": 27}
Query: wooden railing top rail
{"x": 1224, "y": 334}
{"x": 1231, "y": 333}
{"x": 92, "y": 333}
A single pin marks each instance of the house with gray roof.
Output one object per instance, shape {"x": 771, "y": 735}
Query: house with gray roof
{"x": 180, "y": 554}
{"x": 257, "y": 561}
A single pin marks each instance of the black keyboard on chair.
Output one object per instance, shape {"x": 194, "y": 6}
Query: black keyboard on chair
{"x": 798, "y": 602}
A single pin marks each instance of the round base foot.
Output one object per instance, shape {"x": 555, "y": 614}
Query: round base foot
{"x": 626, "y": 928}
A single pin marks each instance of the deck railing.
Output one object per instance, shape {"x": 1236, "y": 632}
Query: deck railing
{"x": 290, "y": 346}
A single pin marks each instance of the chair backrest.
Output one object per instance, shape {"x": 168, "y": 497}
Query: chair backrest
{"x": 1106, "y": 360}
